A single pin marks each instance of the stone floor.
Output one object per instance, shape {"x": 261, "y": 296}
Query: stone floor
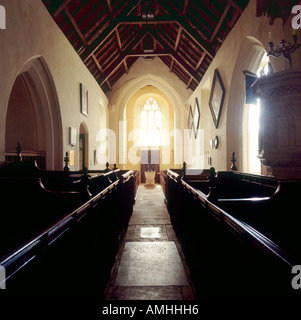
{"x": 150, "y": 264}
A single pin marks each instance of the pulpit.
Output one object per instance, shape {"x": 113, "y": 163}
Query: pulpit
{"x": 280, "y": 119}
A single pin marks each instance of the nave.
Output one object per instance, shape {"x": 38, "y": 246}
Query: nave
{"x": 103, "y": 235}
{"x": 150, "y": 264}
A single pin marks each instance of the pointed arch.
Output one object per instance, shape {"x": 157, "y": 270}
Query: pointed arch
{"x": 249, "y": 58}
{"x": 43, "y": 97}
{"x": 133, "y": 86}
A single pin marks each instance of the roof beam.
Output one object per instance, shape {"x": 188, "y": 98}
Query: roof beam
{"x": 178, "y": 38}
{"x": 189, "y": 82}
{"x": 107, "y": 32}
{"x": 157, "y": 20}
{"x": 75, "y": 26}
{"x": 171, "y": 65}
{"x": 200, "y": 61}
{"x": 141, "y": 53}
{"x": 109, "y": 85}
{"x": 110, "y": 8}
{"x": 121, "y": 57}
{"x": 157, "y": 8}
{"x": 97, "y": 63}
{"x": 125, "y": 66}
{"x": 221, "y": 20}
{"x": 61, "y": 8}
{"x": 186, "y": 4}
{"x": 176, "y": 57}
{"x": 235, "y": 6}
{"x": 99, "y": 40}
{"x": 190, "y": 30}
{"x": 174, "y": 18}
{"x": 118, "y": 39}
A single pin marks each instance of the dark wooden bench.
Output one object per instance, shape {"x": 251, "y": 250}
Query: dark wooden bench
{"x": 229, "y": 255}
{"x": 60, "y": 243}
{"x": 231, "y": 184}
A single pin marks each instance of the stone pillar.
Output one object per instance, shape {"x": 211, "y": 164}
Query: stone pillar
{"x": 280, "y": 123}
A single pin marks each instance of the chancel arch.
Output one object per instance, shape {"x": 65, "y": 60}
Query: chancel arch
{"x": 175, "y": 102}
{"x": 149, "y": 115}
{"x": 249, "y": 58}
{"x": 33, "y": 116}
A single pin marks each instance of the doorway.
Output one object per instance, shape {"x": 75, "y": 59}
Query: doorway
{"x": 82, "y": 151}
{"x": 83, "y": 147}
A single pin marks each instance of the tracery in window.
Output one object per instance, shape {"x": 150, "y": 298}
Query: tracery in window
{"x": 151, "y": 123}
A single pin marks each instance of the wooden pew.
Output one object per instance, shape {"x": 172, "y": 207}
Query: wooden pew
{"x": 235, "y": 184}
{"x": 59, "y": 242}
{"x": 228, "y": 256}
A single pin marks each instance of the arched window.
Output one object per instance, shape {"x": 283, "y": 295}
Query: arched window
{"x": 151, "y": 123}
{"x": 253, "y": 113}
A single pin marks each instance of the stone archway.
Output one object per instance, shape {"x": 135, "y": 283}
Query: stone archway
{"x": 33, "y": 115}
{"x": 249, "y": 58}
{"x": 150, "y": 80}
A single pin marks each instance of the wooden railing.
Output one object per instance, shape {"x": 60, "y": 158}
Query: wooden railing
{"x": 59, "y": 243}
{"x": 228, "y": 255}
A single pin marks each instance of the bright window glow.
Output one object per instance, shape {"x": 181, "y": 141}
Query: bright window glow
{"x": 151, "y": 122}
{"x": 253, "y": 128}
{"x": 254, "y": 165}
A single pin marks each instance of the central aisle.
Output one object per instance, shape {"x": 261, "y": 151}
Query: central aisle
{"x": 150, "y": 264}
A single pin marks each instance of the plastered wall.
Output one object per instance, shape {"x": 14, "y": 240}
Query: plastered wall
{"x": 31, "y": 33}
{"x": 242, "y": 50}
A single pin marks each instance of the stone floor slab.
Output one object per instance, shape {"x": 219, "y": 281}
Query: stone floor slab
{"x": 146, "y": 293}
{"x": 151, "y": 264}
{"x": 151, "y": 232}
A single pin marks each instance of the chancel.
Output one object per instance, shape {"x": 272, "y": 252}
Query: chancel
{"x": 150, "y": 150}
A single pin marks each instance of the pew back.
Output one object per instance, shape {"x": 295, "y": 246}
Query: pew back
{"x": 226, "y": 255}
{"x": 62, "y": 242}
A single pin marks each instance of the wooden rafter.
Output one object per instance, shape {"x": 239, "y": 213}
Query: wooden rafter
{"x": 171, "y": 65}
{"x": 97, "y": 63}
{"x": 125, "y": 66}
{"x": 118, "y": 39}
{"x": 200, "y": 61}
{"x": 137, "y": 20}
{"x": 121, "y": 57}
{"x": 109, "y": 85}
{"x": 178, "y": 38}
{"x": 186, "y": 4}
{"x": 108, "y": 31}
{"x": 110, "y": 8}
{"x": 75, "y": 26}
{"x": 178, "y": 58}
{"x": 109, "y": 35}
{"x": 189, "y": 29}
{"x": 235, "y": 6}
{"x": 61, "y": 8}
{"x": 221, "y": 20}
{"x": 189, "y": 82}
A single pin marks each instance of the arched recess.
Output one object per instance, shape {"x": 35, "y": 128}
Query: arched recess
{"x": 133, "y": 86}
{"x": 249, "y": 58}
{"x": 33, "y": 115}
{"x": 83, "y": 146}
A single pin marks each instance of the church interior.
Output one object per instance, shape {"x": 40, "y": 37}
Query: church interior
{"x": 159, "y": 157}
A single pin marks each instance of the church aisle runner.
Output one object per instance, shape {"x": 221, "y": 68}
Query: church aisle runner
{"x": 150, "y": 264}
